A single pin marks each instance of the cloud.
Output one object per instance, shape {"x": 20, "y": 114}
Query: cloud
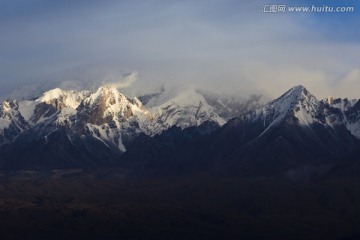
{"x": 126, "y": 82}
{"x": 349, "y": 86}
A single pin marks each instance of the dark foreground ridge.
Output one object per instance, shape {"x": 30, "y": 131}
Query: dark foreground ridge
{"x": 75, "y": 204}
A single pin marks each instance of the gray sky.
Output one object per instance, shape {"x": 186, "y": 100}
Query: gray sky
{"x": 226, "y": 45}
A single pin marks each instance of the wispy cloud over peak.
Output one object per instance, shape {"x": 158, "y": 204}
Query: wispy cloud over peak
{"x": 125, "y": 82}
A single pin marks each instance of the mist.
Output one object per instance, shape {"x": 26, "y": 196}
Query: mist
{"x": 126, "y": 82}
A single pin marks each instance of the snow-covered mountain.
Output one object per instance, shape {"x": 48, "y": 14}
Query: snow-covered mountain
{"x": 350, "y": 112}
{"x": 231, "y": 106}
{"x": 94, "y": 127}
{"x": 12, "y": 122}
{"x": 187, "y": 107}
{"x": 105, "y": 115}
{"x": 299, "y": 106}
{"x": 113, "y": 118}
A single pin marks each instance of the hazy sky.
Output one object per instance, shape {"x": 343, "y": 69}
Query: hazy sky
{"x": 229, "y": 45}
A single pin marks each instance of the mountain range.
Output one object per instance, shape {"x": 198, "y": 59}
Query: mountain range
{"x": 61, "y": 129}
{"x": 295, "y": 134}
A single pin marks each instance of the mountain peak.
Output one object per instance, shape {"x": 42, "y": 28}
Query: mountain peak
{"x": 108, "y": 90}
{"x": 297, "y": 101}
{"x": 294, "y": 95}
{"x": 105, "y": 93}
{"x": 298, "y": 87}
{"x": 107, "y": 103}
{"x": 297, "y": 91}
{"x": 60, "y": 98}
